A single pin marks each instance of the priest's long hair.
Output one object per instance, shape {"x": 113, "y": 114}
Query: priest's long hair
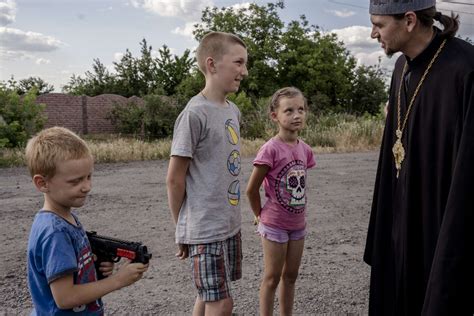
{"x": 428, "y": 16}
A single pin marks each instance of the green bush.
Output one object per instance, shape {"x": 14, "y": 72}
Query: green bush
{"x": 20, "y": 117}
{"x": 153, "y": 120}
{"x": 254, "y": 121}
{"x": 127, "y": 118}
{"x": 159, "y": 116}
{"x": 250, "y": 123}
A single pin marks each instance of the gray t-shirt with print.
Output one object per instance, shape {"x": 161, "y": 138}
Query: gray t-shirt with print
{"x": 209, "y": 134}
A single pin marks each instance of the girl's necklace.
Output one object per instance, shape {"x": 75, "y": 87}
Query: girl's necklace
{"x": 398, "y": 149}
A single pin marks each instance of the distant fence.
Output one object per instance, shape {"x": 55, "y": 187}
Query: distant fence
{"x": 82, "y": 114}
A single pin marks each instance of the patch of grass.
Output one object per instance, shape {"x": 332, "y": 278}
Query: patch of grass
{"x": 11, "y": 157}
{"x": 329, "y": 133}
{"x": 127, "y": 149}
{"x": 250, "y": 147}
{"x": 344, "y": 133}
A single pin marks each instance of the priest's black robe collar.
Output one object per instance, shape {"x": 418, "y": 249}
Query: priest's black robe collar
{"x": 425, "y": 56}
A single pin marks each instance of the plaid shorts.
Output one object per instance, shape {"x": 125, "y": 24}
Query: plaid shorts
{"x": 214, "y": 265}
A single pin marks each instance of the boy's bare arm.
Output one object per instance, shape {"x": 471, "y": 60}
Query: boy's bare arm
{"x": 253, "y": 187}
{"x": 68, "y": 295}
{"x": 176, "y": 184}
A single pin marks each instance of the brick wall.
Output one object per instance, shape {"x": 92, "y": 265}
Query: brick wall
{"x": 82, "y": 114}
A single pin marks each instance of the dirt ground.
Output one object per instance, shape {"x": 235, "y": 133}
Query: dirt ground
{"x": 129, "y": 201}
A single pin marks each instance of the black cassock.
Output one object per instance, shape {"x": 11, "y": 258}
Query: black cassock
{"x": 420, "y": 242}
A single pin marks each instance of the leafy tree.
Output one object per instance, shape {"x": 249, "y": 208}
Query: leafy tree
{"x": 128, "y": 76}
{"x": 260, "y": 27}
{"x": 25, "y": 85}
{"x": 172, "y": 70}
{"x": 190, "y": 86}
{"x": 369, "y": 91}
{"x": 98, "y": 81}
{"x": 37, "y": 83}
{"x": 317, "y": 64}
{"x": 147, "y": 70}
{"x": 297, "y": 54}
{"x": 137, "y": 76}
{"x": 20, "y": 117}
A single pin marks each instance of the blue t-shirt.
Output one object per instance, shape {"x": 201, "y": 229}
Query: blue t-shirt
{"x": 57, "y": 248}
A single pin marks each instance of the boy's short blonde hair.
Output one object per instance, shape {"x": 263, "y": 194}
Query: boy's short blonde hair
{"x": 51, "y": 146}
{"x": 215, "y": 45}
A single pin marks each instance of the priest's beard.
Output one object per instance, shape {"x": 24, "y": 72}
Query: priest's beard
{"x": 395, "y": 45}
{"x": 390, "y": 53}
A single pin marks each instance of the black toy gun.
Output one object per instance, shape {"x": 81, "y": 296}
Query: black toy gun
{"x": 108, "y": 249}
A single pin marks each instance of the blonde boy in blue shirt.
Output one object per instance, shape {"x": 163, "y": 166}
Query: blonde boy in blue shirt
{"x": 61, "y": 275}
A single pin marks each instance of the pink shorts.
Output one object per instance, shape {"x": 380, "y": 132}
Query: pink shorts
{"x": 279, "y": 235}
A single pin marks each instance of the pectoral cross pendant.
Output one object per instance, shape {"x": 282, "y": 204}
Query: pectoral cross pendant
{"x": 398, "y": 152}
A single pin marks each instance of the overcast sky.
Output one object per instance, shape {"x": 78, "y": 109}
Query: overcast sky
{"x": 54, "y": 39}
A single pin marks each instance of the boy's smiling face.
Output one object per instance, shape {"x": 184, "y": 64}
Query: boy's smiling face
{"x": 231, "y": 68}
{"x": 69, "y": 186}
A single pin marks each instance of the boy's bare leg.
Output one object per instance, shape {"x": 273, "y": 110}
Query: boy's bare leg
{"x": 220, "y": 308}
{"x": 289, "y": 276}
{"x": 198, "y": 309}
{"x": 274, "y": 255}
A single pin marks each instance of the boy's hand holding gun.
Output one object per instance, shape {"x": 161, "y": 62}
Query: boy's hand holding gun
{"x": 109, "y": 250}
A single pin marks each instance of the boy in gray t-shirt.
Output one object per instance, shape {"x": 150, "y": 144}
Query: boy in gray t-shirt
{"x": 203, "y": 175}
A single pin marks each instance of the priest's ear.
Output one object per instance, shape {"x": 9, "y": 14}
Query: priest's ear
{"x": 411, "y": 21}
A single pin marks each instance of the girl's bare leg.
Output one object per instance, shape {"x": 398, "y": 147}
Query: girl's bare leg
{"x": 290, "y": 274}
{"x": 274, "y": 255}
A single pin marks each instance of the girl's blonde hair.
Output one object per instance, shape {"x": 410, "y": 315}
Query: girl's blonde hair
{"x": 286, "y": 92}
{"x": 52, "y": 146}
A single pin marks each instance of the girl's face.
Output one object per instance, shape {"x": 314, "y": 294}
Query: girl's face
{"x": 290, "y": 113}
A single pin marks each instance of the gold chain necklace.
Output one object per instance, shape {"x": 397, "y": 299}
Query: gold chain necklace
{"x": 397, "y": 149}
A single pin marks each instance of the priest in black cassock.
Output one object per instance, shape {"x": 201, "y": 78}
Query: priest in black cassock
{"x": 420, "y": 242}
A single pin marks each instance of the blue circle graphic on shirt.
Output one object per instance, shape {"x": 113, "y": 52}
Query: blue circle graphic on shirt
{"x": 233, "y": 163}
{"x": 233, "y": 193}
{"x": 232, "y": 131}
{"x": 290, "y": 186}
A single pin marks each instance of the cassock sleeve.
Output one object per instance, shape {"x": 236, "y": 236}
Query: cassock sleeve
{"x": 450, "y": 285}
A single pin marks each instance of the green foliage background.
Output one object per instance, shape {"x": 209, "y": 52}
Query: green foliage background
{"x": 20, "y": 117}
{"x": 294, "y": 54}
{"x": 297, "y": 54}
{"x": 281, "y": 54}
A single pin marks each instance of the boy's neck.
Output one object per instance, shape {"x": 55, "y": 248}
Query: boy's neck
{"x": 65, "y": 213}
{"x": 214, "y": 95}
